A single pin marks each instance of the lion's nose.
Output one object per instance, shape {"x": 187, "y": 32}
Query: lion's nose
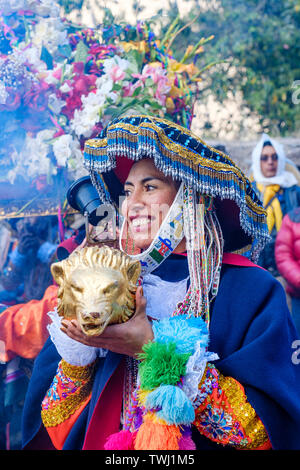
{"x": 94, "y": 315}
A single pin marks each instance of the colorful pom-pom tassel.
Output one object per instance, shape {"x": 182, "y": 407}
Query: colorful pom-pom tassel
{"x": 123, "y": 440}
{"x": 156, "y": 436}
{"x": 187, "y": 332}
{"x": 175, "y": 407}
{"x": 186, "y": 443}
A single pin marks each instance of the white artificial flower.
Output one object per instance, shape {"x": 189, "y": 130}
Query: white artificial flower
{"x": 113, "y": 61}
{"x": 3, "y": 93}
{"x": 48, "y": 8}
{"x": 45, "y": 135}
{"x": 62, "y": 149}
{"x": 33, "y": 160}
{"x": 50, "y": 33}
{"x": 68, "y": 154}
{"x": 8, "y": 7}
{"x": 32, "y": 56}
{"x": 65, "y": 88}
{"x": 55, "y": 104}
{"x": 42, "y": 7}
{"x": 85, "y": 119}
{"x": 66, "y": 71}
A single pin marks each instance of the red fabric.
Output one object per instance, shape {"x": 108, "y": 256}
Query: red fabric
{"x": 106, "y": 418}
{"x": 238, "y": 260}
{"x": 69, "y": 244}
{"x": 287, "y": 254}
{"x": 23, "y": 327}
{"x": 59, "y": 433}
{"x": 123, "y": 168}
{"x": 234, "y": 259}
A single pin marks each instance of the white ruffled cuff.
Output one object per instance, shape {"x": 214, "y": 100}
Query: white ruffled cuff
{"x": 195, "y": 369}
{"x": 73, "y": 352}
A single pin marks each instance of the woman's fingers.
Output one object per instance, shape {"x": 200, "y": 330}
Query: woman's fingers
{"x": 125, "y": 338}
{"x": 140, "y": 302}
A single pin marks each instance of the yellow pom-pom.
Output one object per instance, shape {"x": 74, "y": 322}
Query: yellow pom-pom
{"x": 142, "y": 396}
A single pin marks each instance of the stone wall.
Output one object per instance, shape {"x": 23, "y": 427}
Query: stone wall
{"x": 240, "y": 152}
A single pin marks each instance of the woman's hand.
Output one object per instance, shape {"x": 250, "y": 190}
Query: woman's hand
{"x": 124, "y": 338}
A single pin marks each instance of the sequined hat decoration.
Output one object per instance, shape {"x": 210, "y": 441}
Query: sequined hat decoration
{"x": 178, "y": 152}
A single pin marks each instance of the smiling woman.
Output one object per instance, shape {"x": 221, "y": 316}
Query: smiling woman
{"x": 149, "y": 196}
{"x": 195, "y": 366}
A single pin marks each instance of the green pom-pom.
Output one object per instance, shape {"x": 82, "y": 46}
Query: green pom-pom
{"x": 161, "y": 365}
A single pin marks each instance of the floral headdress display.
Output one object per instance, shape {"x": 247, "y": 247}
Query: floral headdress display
{"x": 61, "y": 83}
{"x": 160, "y": 411}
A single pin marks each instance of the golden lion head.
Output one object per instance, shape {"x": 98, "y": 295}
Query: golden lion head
{"x": 97, "y": 287}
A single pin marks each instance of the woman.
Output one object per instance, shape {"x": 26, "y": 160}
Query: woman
{"x": 155, "y": 382}
{"x": 276, "y": 184}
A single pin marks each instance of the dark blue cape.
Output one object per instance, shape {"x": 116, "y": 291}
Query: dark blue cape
{"x": 252, "y": 332}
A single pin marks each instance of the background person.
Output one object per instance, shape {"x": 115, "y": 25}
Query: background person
{"x": 278, "y": 190}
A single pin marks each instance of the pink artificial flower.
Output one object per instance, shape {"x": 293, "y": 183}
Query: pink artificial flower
{"x": 82, "y": 83}
{"x": 40, "y": 182}
{"x": 78, "y": 68}
{"x": 131, "y": 87}
{"x": 37, "y": 98}
{"x": 116, "y": 73}
{"x": 57, "y": 73}
{"x": 156, "y": 73}
{"x": 59, "y": 133}
{"x": 73, "y": 101}
{"x": 96, "y": 130}
{"x": 162, "y": 90}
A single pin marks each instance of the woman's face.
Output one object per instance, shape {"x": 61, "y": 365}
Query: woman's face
{"x": 148, "y": 196}
{"x": 268, "y": 161}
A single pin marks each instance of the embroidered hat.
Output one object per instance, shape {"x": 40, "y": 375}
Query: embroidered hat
{"x": 179, "y": 153}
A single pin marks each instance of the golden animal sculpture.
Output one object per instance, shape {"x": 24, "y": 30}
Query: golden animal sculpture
{"x": 97, "y": 286}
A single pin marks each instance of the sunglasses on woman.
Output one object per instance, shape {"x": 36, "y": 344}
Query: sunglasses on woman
{"x": 273, "y": 157}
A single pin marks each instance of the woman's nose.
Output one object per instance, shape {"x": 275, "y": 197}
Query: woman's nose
{"x": 136, "y": 200}
{"x": 134, "y": 203}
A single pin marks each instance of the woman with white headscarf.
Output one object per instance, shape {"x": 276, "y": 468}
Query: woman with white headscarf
{"x": 277, "y": 187}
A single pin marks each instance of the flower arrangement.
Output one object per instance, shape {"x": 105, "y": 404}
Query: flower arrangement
{"x": 60, "y": 84}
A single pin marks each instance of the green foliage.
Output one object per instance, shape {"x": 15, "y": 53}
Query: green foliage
{"x": 261, "y": 41}
{"x": 257, "y": 46}
{"x": 70, "y": 5}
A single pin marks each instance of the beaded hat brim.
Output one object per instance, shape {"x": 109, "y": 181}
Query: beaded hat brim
{"x": 178, "y": 153}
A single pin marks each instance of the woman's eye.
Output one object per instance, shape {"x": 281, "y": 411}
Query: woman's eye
{"x": 149, "y": 187}
{"x": 126, "y": 192}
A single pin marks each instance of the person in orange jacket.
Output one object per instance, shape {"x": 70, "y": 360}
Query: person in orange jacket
{"x": 23, "y": 333}
{"x": 23, "y": 327}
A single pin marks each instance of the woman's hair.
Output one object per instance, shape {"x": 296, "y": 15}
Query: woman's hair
{"x": 267, "y": 143}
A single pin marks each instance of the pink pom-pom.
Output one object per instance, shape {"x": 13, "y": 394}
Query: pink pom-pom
{"x": 186, "y": 443}
{"x": 122, "y": 440}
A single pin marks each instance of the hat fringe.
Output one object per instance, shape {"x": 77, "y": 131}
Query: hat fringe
{"x": 178, "y": 153}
